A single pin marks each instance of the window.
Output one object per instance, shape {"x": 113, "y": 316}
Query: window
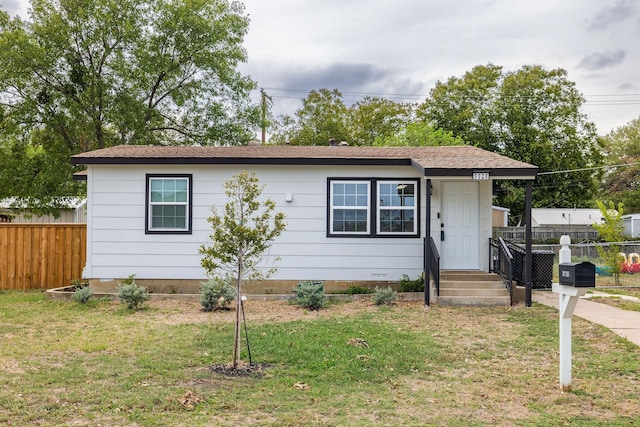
{"x": 168, "y": 204}
{"x": 396, "y": 207}
{"x": 354, "y": 205}
{"x": 349, "y": 207}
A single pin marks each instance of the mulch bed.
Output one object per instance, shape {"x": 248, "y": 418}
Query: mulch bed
{"x": 242, "y": 369}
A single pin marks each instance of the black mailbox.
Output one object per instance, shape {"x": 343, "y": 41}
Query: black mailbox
{"x": 578, "y": 274}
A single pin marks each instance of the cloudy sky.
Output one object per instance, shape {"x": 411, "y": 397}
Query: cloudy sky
{"x": 399, "y": 49}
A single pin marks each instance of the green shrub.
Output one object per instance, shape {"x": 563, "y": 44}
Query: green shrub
{"x": 132, "y": 294}
{"x": 408, "y": 285}
{"x": 216, "y": 293}
{"x": 82, "y": 294}
{"x": 310, "y": 295}
{"x": 384, "y": 296}
{"x": 357, "y": 289}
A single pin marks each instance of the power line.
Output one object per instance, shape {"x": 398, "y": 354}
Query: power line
{"x": 588, "y": 169}
{"x": 604, "y": 102}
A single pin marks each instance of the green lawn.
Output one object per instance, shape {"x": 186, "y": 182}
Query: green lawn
{"x": 100, "y": 364}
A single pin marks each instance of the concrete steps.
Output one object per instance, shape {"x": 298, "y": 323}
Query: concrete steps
{"x": 472, "y": 288}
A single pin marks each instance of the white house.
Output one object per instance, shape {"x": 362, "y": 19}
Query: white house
{"x": 354, "y": 214}
{"x": 631, "y": 224}
{"x": 565, "y": 216}
{"x": 73, "y": 211}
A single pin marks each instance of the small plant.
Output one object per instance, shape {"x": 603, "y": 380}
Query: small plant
{"x": 384, "y": 296}
{"x": 132, "y": 294}
{"x": 216, "y": 293}
{"x": 310, "y": 295}
{"x": 357, "y": 289}
{"x": 408, "y": 285}
{"x": 82, "y": 294}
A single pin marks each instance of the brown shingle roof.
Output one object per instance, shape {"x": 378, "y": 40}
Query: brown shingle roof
{"x": 449, "y": 160}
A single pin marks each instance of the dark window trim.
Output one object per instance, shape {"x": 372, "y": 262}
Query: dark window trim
{"x": 373, "y": 209}
{"x": 147, "y": 207}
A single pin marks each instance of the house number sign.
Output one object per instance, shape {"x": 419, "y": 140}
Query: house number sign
{"x": 480, "y": 176}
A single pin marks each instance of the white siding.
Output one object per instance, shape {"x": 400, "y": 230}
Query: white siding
{"x": 120, "y": 247}
{"x": 631, "y": 225}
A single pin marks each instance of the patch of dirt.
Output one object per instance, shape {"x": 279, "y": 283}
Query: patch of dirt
{"x": 242, "y": 369}
{"x": 175, "y": 312}
{"x": 617, "y": 302}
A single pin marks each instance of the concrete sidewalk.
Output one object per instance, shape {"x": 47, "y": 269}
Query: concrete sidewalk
{"x": 623, "y": 322}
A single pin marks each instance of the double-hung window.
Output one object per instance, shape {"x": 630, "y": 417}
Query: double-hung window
{"x": 397, "y": 207}
{"x": 168, "y": 204}
{"x": 373, "y": 207}
{"x": 350, "y": 207}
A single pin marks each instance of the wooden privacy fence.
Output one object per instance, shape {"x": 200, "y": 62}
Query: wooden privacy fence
{"x": 41, "y": 256}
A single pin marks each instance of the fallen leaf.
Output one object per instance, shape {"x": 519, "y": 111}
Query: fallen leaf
{"x": 302, "y": 386}
{"x": 189, "y": 400}
{"x": 358, "y": 342}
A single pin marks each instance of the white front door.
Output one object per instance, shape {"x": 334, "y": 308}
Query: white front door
{"x": 460, "y": 241}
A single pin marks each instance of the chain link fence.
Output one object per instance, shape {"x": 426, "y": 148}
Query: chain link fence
{"x": 589, "y": 252}
{"x": 545, "y": 259}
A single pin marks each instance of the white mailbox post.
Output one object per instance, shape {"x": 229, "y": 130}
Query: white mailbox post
{"x": 568, "y": 300}
{"x": 574, "y": 280}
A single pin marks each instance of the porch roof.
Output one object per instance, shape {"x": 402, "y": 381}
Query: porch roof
{"x": 431, "y": 161}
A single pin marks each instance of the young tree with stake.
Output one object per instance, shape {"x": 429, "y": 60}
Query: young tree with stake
{"x": 240, "y": 238}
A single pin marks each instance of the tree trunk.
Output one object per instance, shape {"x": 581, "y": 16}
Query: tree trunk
{"x": 236, "y": 335}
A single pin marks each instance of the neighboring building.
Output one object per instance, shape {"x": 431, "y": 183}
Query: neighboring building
{"x": 500, "y": 216}
{"x": 75, "y": 211}
{"x": 631, "y": 224}
{"x": 541, "y": 217}
{"x": 353, "y": 213}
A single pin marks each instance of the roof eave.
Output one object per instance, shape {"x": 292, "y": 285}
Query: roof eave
{"x": 304, "y": 161}
{"x": 528, "y": 173}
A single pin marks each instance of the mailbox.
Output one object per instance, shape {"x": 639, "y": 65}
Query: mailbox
{"x": 578, "y": 274}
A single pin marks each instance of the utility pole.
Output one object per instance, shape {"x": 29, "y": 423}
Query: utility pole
{"x": 263, "y": 103}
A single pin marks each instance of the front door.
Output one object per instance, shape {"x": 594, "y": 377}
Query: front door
{"x": 460, "y": 226}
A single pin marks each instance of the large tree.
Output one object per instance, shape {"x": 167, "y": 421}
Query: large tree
{"x": 622, "y": 153}
{"x": 465, "y": 106}
{"x": 531, "y": 114}
{"x": 418, "y": 134}
{"x": 324, "y": 115}
{"x": 79, "y": 75}
{"x": 375, "y": 118}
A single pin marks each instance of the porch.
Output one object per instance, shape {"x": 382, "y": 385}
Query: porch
{"x": 505, "y": 284}
{"x": 455, "y": 288}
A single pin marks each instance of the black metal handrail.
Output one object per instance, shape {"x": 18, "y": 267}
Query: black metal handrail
{"x": 435, "y": 265}
{"x": 501, "y": 262}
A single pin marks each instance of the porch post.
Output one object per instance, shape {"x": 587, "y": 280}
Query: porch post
{"x": 528, "y": 258}
{"x": 427, "y": 246}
